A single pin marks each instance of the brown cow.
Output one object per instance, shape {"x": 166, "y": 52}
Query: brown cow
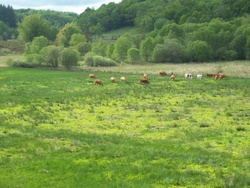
{"x": 222, "y": 75}
{"x": 112, "y": 79}
{"x": 210, "y": 75}
{"x": 92, "y": 76}
{"x": 162, "y": 73}
{"x": 123, "y": 79}
{"x": 172, "y": 77}
{"x": 98, "y": 82}
{"x": 144, "y": 81}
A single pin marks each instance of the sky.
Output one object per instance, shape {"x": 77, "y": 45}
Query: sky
{"x": 77, "y": 6}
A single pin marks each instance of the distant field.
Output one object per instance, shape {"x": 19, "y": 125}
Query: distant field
{"x": 239, "y": 69}
{"x": 5, "y": 58}
{"x": 58, "y": 129}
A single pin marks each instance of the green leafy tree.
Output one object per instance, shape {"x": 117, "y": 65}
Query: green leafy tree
{"x": 159, "y": 23}
{"x": 96, "y": 29}
{"x": 147, "y": 47}
{"x": 199, "y": 51}
{"x": 76, "y": 39}
{"x": 8, "y": 15}
{"x": 121, "y": 48}
{"x": 147, "y": 24}
{"x": 32, "y": 50}
{"x": 240, "y": 43}
{"x": 83, "y": 48}
{"x": 136, "y": 40}
{"x": 64, "y": 36}
{"x": 33, "y": 26}
{"x": 134, "y": 55}
{"x": 69, "y": 58}
{"x": 53, "y": 31}
{"x": 38, "y": 44}
{"x": 171, "y": 51}
{"x": 4, "y": 30}
{"x": 100, "y": 48}
{"x": 159, "y": 53}
{"x": 51, "y": 55}
{"x": 110, "y": 50}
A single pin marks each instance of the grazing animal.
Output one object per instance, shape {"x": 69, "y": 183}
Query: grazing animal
{"x": 162, "y": 73}
{"x": 112, "y": 79}
{"x": 92, "y": 76}
{"x": 172, "y": 77}
{"x": 187, "y": 75}
{"x": 145, "y": 76}
{"x": 222, "y": 75}
{"x": 216, "y": 77}
{"x": 199, "y": 76}
{"x": 210, "y": 75}
{"x": 123, "y": 79}
{"x": 144, "y": 81}
{"x": 98, "y": 82}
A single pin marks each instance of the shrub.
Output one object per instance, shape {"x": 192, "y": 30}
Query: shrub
{"x": 51, "y": 55}
{"x": 12, "y": 63}
{"x": 33, "y": 60}
{"x": 69, "y": 58}
{"x": 103, "y": 61}
{"x": 241, "y": 129}
{"x": 171, "y": 51}
{"x": 88, "y": 58}
{"x": 134, "y": 55}
{"x": 96, "y": 60}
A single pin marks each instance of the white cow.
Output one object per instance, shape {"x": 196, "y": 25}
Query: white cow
{"x": 187, "y": 75}
{"x": 199, "y": 76}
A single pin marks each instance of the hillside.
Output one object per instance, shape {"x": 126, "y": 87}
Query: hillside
{"x": 148, "y": 15}
{"x": 143, "y": 31}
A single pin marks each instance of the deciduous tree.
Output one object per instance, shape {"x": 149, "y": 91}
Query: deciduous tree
{"x": 69, "y": 58}
{"x": 33, "y": 26}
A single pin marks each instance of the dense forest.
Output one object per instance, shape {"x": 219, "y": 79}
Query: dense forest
{"x": 166, "y": 31}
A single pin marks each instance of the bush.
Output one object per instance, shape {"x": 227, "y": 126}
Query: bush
{"x": 69, "y": 58}
{"x": 88, "y": 58}
{"x": 96, "y": 60}
{"x": 51, "y": 55}
{"x": 34, "y": 60}
{"x": 171, "y": 51}
{"x": 134, "y": 55}
{"x": 103, "y": 61}
{"x": 12, "y": 63}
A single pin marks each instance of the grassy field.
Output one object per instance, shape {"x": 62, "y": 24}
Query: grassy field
{"x": 58, "y": 129}
{"x": 240, "y": 69}
{"x": 4, "y": 59}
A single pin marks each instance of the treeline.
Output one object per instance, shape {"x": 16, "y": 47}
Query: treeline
{"x": 148, "y": 15}
{"x": 173, "y": 30}
{"x": 9, "y": 19}
{"x": 166, "y": 31}
{"x": 8, "y": 22}
{"x": 8, "y": 16}
{"x": 55, "y": 18}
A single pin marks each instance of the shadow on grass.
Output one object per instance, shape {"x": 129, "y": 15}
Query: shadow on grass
{"x": 35, "y": 157}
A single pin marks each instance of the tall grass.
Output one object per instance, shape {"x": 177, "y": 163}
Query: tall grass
{"x": 239, "y": 69}
{"x": 58, "y": 129}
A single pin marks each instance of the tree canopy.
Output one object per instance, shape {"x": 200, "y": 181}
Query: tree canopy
{"x": 165, "y": 30}
{"x": 31, "y": 27}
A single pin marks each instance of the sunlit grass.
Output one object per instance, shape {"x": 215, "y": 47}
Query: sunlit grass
{"x": 58, "y": 129}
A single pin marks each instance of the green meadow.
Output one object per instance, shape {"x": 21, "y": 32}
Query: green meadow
{"x": 58, "y": 129}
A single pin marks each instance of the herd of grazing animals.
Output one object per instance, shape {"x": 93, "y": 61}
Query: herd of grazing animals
{"x": 145, "y": 80}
